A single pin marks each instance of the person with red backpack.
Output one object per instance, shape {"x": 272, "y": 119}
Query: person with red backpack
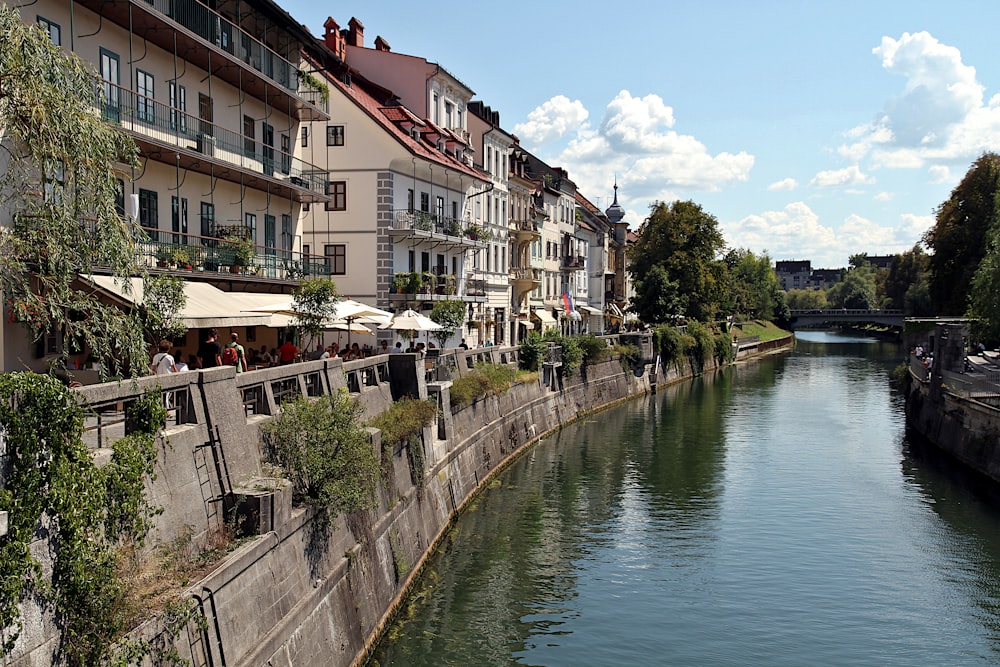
{"x": 233, "y": 354}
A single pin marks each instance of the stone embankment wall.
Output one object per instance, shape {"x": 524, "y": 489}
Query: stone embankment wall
{"x": 305, "y": 592}
{"x": 953, "y": 410}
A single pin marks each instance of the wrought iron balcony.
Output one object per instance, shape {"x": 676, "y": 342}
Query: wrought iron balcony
{"x": 449, "y": 231}
{"x": 573, "y": 262}
{"x": 205, "y": 146}
{"x": 215, "y": 44}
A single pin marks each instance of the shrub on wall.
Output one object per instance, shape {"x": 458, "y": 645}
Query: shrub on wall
{"x": 325, "y": 452}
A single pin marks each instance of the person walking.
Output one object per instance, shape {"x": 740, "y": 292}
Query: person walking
{"x": 163, "y": 361}
{"x": 210, "y": 352}
{"x": 241, "y": 356}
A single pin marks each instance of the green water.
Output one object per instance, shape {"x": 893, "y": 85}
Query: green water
{"x": 773, "y": 514}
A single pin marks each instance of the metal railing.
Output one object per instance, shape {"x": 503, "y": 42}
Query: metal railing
{"x": 168, "y": 249}
{"x": 423, "y": 221}
{"x": 229, "y": 37}
{"x": 155, "y": 120}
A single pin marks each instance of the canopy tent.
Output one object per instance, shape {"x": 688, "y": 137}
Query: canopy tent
{"x": 206, "y": 306}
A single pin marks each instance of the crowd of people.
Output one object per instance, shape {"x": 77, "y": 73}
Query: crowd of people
{"x": 211, "y": 353}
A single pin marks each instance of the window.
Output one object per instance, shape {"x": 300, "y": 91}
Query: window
{"x": 251, "y": 225}
{"x": 286, "y": 154}
{"x": 412, "y": 261}
{"x": 249, "y": 143}
{"x": 207, "y": 220}
{"x": 409, "y": 200}
{"x": 52, "y": 29}
{"x": 148, "y": 216}
{"x": 144, "y": 109}
{"x": 337, "y": 190}
{"x": 286, "y": 232}
{"x": 454, "y": 210}
{"x": 55, "y": 178}
{"x": 178, "y": 106}
{"x": 179, "y": 219}
{"x": 434, "y": 107}
{"x": 336, "y": 258}
{"x": 449, "y": 112}
{"x": 120, "y": 197}
{"x": 425, "y": 202}
{"x": 305, "y": 136}
{"x": 439, "y": 209}
{"x": 110, "y": 72}
{"x": 334, "y": 135}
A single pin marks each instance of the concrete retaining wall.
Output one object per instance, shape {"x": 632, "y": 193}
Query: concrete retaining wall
{"x": 305, "y": 592}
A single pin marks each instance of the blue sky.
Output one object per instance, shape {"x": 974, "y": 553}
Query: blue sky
{"x": 810, "y": 130}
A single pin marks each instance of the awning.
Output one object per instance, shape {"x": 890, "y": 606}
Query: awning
{"x": 590, "y": 310}
{"x": 544, "y": 316}
{"x": 613, "y": 311}
{"x": 526, "y": 324}
{"x": 207, "y": 306}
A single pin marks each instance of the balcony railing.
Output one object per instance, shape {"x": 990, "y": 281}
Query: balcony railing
{"x": 518, "y": 273}
{"x": 181, "y": 252}
{"x": 232, "y": 39}
{"x": 573, "y": 261}
{"x": 421, "y": 221}
{"x": 146, "y": 117}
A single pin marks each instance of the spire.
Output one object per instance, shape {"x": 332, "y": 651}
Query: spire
{"x": 615, "y": 212}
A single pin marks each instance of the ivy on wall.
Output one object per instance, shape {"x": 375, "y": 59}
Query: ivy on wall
{"x": 93, "y": 520}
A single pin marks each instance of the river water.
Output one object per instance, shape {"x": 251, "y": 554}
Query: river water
{"x": 773, "y": 514}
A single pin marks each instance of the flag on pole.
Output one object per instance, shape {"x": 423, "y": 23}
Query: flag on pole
{"x": 568, "y": 302}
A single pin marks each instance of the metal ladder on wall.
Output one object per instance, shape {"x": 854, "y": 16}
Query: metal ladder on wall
{"x": 213, "y": 477}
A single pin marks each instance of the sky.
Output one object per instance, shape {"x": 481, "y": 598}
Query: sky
{"x": 811, "y": 130}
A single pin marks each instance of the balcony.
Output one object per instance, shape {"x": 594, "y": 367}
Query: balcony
{"x": 442, "y": 231}
{"x": 428, "y": 286}
{"x": 573, "y": 262}
{"x": 525, "y": 279}
{"x": 175, "y": 137}
{"x": 526, "y": 231}
{"x": 215, "y": 44}
{"x": 205, "y": 256}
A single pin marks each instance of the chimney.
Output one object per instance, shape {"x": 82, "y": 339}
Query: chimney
{"x": 381, "y": 44}
{"x": 356, "y": 36}
{"x": 332, "y": 37}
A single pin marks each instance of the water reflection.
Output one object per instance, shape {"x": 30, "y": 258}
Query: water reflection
{"x": 769, "y": 514}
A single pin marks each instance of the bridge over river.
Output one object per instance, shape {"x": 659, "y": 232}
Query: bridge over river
{"x": 816, "y": 318}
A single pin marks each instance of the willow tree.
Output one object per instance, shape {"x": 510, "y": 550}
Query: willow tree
{"x": 62, "y": 166}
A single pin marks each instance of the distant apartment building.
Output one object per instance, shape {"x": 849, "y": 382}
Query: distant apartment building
{"x": 793, "y": 274}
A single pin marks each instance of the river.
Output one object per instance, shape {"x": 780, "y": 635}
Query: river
{"x": 771, "y": 514}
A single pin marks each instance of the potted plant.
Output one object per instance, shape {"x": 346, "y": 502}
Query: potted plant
{"x": 241, "y": 252}
{"x": 427, "y": 281}
{"x": 446, "y": 284}
{"x": 164, "y": 255}
{"x": 424, "y": 222}
{"x": 406, "y": 282}
{"x": 476, "y": 233}
{"x": 181, "y": 258}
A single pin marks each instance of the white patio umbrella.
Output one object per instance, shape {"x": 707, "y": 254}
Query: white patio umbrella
{"x": 411, "y": 320}
{"x": 347, "y": 312}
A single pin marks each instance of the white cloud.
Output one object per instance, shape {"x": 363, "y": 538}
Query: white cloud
{"x": 840, "y": 177}
{"x": 784, "y": 185}
{"x": 883, "y": 196}
{"x": 635, "y": 140}
{"x": 939, "y": 115}
{"x": 796, "y": 232}
{"x": 552, "y": 120}
{"x": 940, "y": 173}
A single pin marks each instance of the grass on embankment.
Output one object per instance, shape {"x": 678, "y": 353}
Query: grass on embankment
{"x": 763, "y": 329}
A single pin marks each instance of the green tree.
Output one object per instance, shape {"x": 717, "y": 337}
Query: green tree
{"x": 908, "y": 274}
{"x": 806, "y": 299}
{"x": 315, "y": 304}
{"x": 958, "y": 237}
{"x": 856, "y": 290}
{"x": 683, "y": 241}
{"x": 450, "y": 315}
{"x": 754, "y": 284}
{"x": 163, "y": 299}
{"x": 984, "y": 295}
{"x": 60, "y": 182}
